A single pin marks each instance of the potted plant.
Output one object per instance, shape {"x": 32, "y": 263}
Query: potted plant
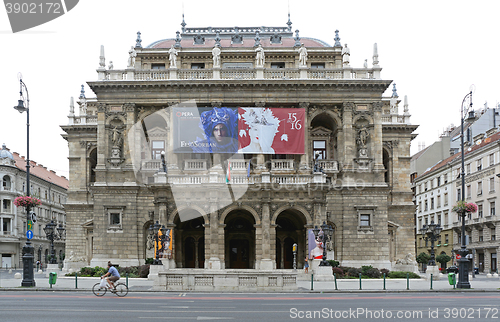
{"x": 463, "y": 207}
{"x": 25, "y": 201}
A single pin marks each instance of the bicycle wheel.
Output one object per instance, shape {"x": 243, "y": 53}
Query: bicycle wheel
{"x": 121, "y": 290}
{"x": 98, "y": 290}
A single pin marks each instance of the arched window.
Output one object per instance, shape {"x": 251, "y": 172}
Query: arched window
{"x": 6, "y": 182}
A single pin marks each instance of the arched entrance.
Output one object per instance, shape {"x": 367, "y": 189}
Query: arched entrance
{"x": 190, "y": 243}
{"x": 290, "y": 230}
{"x": 239, "y": 240}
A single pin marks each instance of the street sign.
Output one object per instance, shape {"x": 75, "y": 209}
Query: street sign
{"x": 29, "y": 234}
{"x": 33, "y": 217}
{"x": 458, "y": 256}
{"x": 30, "y": 225}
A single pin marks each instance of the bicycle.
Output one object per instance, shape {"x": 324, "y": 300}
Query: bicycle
{"x": 120, "y": 289}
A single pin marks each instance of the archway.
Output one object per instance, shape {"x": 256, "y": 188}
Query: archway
{"x": 290, "y": 230}
{"x": 189, "y": 243}
{"x": 239, "y": 238}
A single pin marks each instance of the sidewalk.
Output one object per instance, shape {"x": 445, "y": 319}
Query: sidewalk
{"x": 84, "y": 284}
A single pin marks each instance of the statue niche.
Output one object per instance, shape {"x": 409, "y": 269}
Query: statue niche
{"x": 116, "y": 133}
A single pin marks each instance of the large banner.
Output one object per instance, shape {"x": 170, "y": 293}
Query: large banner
{"x": 250, "y": 130}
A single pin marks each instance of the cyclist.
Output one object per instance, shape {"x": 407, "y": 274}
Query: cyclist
{"x": 113, "y": 276}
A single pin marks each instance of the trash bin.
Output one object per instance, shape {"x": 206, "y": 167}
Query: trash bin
{"x": 52, "y": 278}
{"x": 452, "y": 278}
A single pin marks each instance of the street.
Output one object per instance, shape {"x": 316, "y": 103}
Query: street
{"x": 79, "y": 306}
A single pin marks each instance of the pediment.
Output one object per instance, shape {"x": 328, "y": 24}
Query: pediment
{"x": 320, "y": 131}
{"x": 157, "y": 132}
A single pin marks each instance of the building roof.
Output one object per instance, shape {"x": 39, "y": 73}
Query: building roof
{"x": 479, "y": 145}
{"x": 40, "y": 171}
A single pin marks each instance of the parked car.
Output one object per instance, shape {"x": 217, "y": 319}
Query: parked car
{"x": 452, "y": 269}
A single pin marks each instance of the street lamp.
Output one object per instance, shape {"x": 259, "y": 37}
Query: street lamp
{"x": 431, "y": 232}
{"x": 52, "y": 231}
{"x": 28, "y": 249}
{"x": 463, "y": 262}
{"x": 325, "y": 236}
{"x": 160, "y": 237}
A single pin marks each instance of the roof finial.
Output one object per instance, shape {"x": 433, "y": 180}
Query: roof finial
{"x": 82, "y": 93}
{"x": 375, "y": 55}
{"x": 394, "y": 93}
{"x": 257, "y": 38}
{"x": 337, "y": 39}
{"x": 217, "y": 38}
{"x": 183, "y": 24}
{"x": 297, "y": 39}
{"x": 138, "y": 40}
{"x": 289, "y": 23}
{"x": 102, "y": 61}
{"x": 177, "y": 40}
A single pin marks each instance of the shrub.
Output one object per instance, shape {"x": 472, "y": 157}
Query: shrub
{"x": 384, "y": 271}
{"x": 149, "y": 261}
{"x": 338, "y": 271}
{"x": 364, "y": 269}
{"x": 372, "y": 273}
{"x": 333, "y": 263}
{"x": 399, "y": 274}
{"x": 144, "y": 271}
{"x": 423, "y": 258}
{"x": 353, "y": 272}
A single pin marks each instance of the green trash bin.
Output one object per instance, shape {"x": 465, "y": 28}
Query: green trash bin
{"x": 52, "y": 278}
{"x": 452, "y": 278}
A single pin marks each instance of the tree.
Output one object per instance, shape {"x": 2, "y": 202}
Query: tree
{"x": 443, "y": 259}
{"x": 423, "y": 258}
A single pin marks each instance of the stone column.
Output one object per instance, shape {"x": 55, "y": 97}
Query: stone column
{"x": 349, "y": 136}
{"x": 213, "y": 238}
{"x": 266, "y": 262}
{"x": 377, "y": 136}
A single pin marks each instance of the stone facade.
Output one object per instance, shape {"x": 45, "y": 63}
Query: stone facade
{"x": 119, "y": 186}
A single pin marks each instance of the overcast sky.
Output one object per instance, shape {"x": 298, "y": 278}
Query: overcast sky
{"x": 432, "y": 50}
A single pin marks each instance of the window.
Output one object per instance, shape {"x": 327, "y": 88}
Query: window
{"x": 445, "y": 197}
{"x": 426, "y": 206}
{"x": 446, "y": 239}
{"x": 6, "y": 226}
{"x": 365, "y": 218}
{"x": 445, "y": 219}
{"x": 492, "y": 184}
{"x": 318, "y": 65}
{"x": 432, "y": 203}
{"x": 438, "y": 181}
{"x": 479, "y": 211}
{"x": 491, "y": 159}
{"x": 492, "y": 208}
{"x": 439, "y": 220}
{"x": 157, "y": 66}
{"x": 479, "y": 188}
{"x": 6, "y": 182}
{"x": 6, "y": 205}
{"x": 278, "y": 65}
{"x": 198, "y": 66}
{"x": 420, "y": 206}
{"x": 480, "y": 233}
{"x": 426, "y": 185}
{"x": 468, "y": 191}
{"x": 438, "y": 202}
{"x": 479, "y": 164}
{"x": 445, "y": 178}
{"x": 492, "y": 234}
{"x": 420, "y": 242}
{"x": 319, "y": 147}
{"x": 467, "y": 169}
{"x": 115, "y": 218}
{"x": 157, "y": 147}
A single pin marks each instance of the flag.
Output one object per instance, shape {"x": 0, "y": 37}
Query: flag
{"x": 248, "y": 169}
{"x": 228, "y": 174}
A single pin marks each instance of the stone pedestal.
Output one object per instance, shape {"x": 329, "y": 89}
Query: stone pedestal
{"x": 434, "y": 270}
{"x": 323, "y": 273}
{"x": 266, "y": 265}
{"x": 214, "y": 263}
{"x": 51, "y": 268}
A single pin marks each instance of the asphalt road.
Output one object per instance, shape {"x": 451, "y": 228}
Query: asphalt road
{"x": 73, "y": 306}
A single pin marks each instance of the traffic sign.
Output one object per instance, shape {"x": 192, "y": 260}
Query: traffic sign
{"x": 29, "y": 234}
{"x": 33, "y": 217}
{"x": 458, "y": 256}
{"x": 30, "y": 225}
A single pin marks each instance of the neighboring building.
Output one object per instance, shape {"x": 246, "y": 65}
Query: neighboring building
{"x": 239, "y": 210}
{"x": 481, "y": 187}
{"x": 50, "y": 188}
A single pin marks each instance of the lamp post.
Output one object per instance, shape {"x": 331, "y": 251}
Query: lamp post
{"x": 294, "y": 250}
{"x": 463, "y": 262}
{"x": 52, "y": 231}
{"x": 327, "y": 235}
{"x": 159, "y": 233}
{"x": 28, "y": 249}
{"x": 431, "y": 232}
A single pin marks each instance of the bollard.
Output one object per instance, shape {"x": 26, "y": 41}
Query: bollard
{"x": 76, "y": 280}
{"x": 359, "y": 280}
{"x": 407, "y": 281}
{"x": 384, "y": 281}
{"x": 127, "y": 279}
{"x": 335, "y": 279}
{"x": 312, "y": 282}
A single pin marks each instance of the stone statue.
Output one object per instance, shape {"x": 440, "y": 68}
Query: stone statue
{"x": 110, "y": 67}
{"x": 365, "y": 64}
{"x": 131, "y": 57}
{"x": 116, "y": 137}
{"x": 173, "y": 57}
{"x": 216, "y": 56}
{"x": 260, "y": 57}
{"x": 346, "y": 53}
{"x": 362, "y": 137}
{"x": 302, "y": 56}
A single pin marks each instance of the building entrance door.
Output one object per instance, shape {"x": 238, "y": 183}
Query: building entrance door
{"x": 239, "y": 251}
{"x": 481, "y": 262}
